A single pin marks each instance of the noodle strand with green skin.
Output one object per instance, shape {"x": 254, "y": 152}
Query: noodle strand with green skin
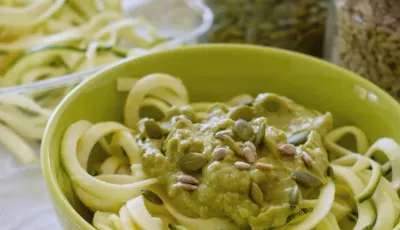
{"x": 321, "y": 209}
{"x": 111, "y": 165}
{"x": 143, "y": 87}
{"x": 384, "y": 207}
{"x": 95, "y": 203}
{"x": 338, "y": 210}
{"x": 372, "y": 182}
{"x": 156, "y": 103}
{"x": 92, "y": 136}
{"x": 30, "y": 15}
{"x": 392, "y": 151}
{"x": 81, "y": 132}
{"x": 101, "y": 220}
{"x": 335, "y": 135}
{"x": 366, "y": 213}
{"x": 127, "y": 142}
{"x": 141, "y": 216}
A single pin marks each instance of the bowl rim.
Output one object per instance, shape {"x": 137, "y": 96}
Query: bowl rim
{"x": 58, "y": 198}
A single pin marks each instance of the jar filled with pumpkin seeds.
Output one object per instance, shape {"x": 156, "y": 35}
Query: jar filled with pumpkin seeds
{"x": 290, "y": 24}
{"x": 366, "y": 40}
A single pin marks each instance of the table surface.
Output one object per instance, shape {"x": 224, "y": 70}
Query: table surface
{"x": 24, "y": 201}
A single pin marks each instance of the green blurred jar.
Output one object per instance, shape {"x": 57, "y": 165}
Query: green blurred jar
{"x": 290, "y": 24}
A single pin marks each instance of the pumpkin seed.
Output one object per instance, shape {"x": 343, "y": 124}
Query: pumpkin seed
{"x": 229, "y": 142}
{"x": 260, "y": 134}
{"x": 243, "y": 130}
{"x": 243, "y": 112}
{"x": 176, "y": 227}
{"x": 256, "y": 194}
{"x": 219, "y": 153}
{"x": 153, "y": 129}
{"x": 294, "y": 197}
{"x": 288, "y": 150}
{"x": 187, "y": 179}
{"x": 299, "y": 138}
{"x": 306, "y": 179}
{"x": 152, "y": 197}
{"x": 187, "y": 187}
{"x": 192, "y": 162}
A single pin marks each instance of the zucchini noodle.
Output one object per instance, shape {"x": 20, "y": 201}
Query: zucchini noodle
{"x": 113, "y": 166}
{"x": 44, "y": 39}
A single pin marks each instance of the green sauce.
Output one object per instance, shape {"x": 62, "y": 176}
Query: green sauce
{"x": 201, "y": 185}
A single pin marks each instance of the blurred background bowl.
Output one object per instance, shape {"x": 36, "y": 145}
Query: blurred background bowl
{"x": 183, "y": 22}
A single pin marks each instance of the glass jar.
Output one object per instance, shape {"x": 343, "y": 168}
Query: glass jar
{"x": 366, "y": 40}
{"x": 297, "y": 25}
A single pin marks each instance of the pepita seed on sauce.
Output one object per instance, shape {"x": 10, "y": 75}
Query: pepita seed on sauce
{"x": 223, "y": 189}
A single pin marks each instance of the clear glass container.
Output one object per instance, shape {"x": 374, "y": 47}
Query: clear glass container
{"x": 296, "y": 25}
{"x": 25, "y": 108}
{"x": 364, "y": 37}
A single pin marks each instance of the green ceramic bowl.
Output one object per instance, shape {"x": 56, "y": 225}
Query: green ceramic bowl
{"x": 214, "y": 73}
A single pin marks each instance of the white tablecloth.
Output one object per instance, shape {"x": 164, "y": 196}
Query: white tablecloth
{"x": 24, "y": 201}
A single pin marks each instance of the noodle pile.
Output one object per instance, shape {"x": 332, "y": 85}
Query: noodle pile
{"x": 44, "y": 39}
{"x": 361, "y": 191}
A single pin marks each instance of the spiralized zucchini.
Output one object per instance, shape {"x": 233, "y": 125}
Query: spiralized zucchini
{"x": 356, "y": 194}
{"x": 44, "y": 39}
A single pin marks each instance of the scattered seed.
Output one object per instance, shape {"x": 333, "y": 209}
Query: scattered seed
{"x": 192, "y": 162}
{"x": 256, "y": 194}
{"x": 299, "y": 138}
{"x": 187, "y": 187}
{"x": 243, "y": 130}
{"x": 243, "y": 112}
{"x": 227, "y": 132}
{"x": 250, "y": 145}
{"x": 219, "y": 153}
{"x": 230, "y": 143}
{"x": 294, "y": 197}
{"x": 242, "y": 165}
{"x": 306, "y": 179}
{"x": 264, "y": 166}
{"x": 260, "y": 134}
{"x": 288, "y": 150}
{"x": 153, "y": 129}
{"x": 184, "y": 119}
{"x": 152, "y": 197}
{"x": 307, "y": 159}
{"x": 249, "y": 154}
{"x": 187, "y": 179}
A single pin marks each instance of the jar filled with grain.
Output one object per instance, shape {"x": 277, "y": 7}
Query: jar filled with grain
{"x": 297, "y": 25}
{"x": 365, "y": 38}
